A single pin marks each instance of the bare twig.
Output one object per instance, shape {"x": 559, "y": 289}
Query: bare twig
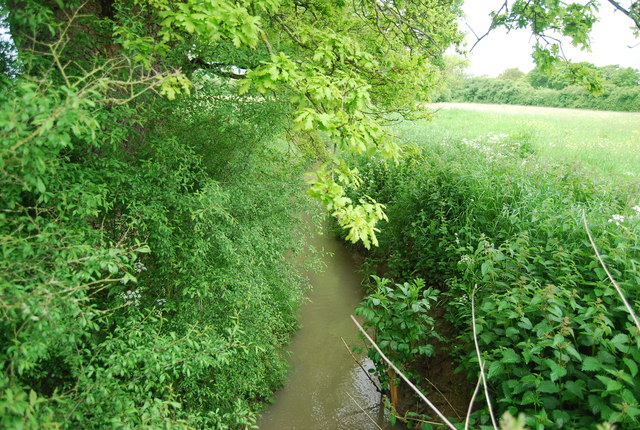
{"x": 633, "y": 16}
{"x": 505, "y": 5}
{"x": 404, "y": 378}
{"x": 481, "y": 364}
{"x": 365, "y": 412}
{"x": 444, "y": 397}
{"x": 473, "y": 398}
{"x": 613, "y": 281}
{"x": 360, "y": 365}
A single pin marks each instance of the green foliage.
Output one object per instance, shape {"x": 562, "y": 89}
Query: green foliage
{"x": 513, "y": 74}
{"x": 146, "y": 210}
{"x": 144, "y": 281}
{"x": 399, "y": 314}
{"x": 138, "y": 289}
{"x": 558, "y": 345}
{"x": 501, "y": 91}
{"x": 546, "y": 19}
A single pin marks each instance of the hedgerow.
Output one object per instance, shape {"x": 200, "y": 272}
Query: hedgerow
{"x": 144, "y": 282}
{"x": 557, "y": 343}
{"x": 499, "y": 91}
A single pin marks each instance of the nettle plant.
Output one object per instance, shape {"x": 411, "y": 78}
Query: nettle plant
{"x": 557, "y": 343}
{"x": 399, "y": 315}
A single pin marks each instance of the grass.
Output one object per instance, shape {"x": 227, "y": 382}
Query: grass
{"x": 606, "y": 141}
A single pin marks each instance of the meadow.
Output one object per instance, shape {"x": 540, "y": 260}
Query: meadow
{"x": 607, "y": 141}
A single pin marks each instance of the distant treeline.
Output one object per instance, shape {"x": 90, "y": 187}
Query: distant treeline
{"x": 617, "y": 89}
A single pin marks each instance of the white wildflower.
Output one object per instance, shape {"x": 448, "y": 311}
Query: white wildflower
{"x": 637, "y": 209}
{"x": 465, "y": 260}
{"x": 131, "y": 297}
{"x": 140, "y": 266}
{"x": 617, "y": 219}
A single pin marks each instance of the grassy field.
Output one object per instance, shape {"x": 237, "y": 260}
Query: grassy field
{"x": 607, "y": 141}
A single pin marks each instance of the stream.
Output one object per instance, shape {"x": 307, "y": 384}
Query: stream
{"x": 326, "y": 388}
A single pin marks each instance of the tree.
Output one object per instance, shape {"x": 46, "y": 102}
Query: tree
{"x": 512, "y": 75}
{"x": 550, "y": 20}
{"x": 621, "y": 76}
{"x": 122, "y": 122}
{"x": 145, "y": 214}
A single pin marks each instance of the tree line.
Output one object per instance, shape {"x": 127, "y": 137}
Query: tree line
{"x": 610, "y": 87}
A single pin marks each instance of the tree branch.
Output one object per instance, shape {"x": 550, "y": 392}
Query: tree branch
{"x": 635, "y": 17}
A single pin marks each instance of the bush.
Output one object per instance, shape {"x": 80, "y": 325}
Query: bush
{"x": 488, "y": 90}
{"x": 143, "y": 281}
{"x": 558, "y": 344}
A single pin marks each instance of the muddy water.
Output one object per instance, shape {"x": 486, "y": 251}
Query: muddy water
{"x": 324, "y": 377}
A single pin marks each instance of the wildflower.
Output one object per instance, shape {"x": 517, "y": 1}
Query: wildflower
{"x": 637, "y": 209}
{"x": 161, "y": 302}
{"x": 140, "y": 266}
{"x": 617, "y": 219}
{"x": 466, "y": 260}
{"x": 132, "y": 297}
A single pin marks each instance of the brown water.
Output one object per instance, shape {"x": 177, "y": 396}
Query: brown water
{"x": 324, "y": 377}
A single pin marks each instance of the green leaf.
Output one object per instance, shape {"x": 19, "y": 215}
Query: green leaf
{"x": 591, "y": 364}
{"x": 596, "y": 403}
{"x": 487, "y": 267}
{"x": 557, "y": 371}
{"x": 525, "y": 323}
{"x": 621, "y": 342}
{"x": 575, "y": 388}
{"x": 610, "y": 384}
{"x": 633, "y": 367}
{"x": 548, "y": 387}
{"x": 572, "y": 351}
{"x": 510, "y": 356}
{"x": 40, "y": 185}
{"x": 495, "y": 368}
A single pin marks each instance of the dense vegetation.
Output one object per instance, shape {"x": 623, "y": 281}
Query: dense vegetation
{"x": 148, "y": 198}
{"x": 557, "y": 342}
{"x": 151, "y": 160}
{"x": 616, "y": 89}
{"x": 144, "y": 282}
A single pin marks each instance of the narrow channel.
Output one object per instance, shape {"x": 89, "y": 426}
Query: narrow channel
{"x": 326, "y": 388}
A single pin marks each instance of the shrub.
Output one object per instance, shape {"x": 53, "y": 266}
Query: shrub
{"x": 488, "y": 90}
{"x": 143, "y": 284}
{"x": 557, "y": 343}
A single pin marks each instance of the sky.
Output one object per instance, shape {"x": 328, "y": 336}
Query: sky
{"x": 610, "y": 42}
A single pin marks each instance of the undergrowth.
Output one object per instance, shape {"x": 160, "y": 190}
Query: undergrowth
{"x": 143, "y": 279}
{"x": 556, "y": 341}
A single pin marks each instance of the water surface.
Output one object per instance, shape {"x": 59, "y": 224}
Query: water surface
{"x": 326, "y": 387}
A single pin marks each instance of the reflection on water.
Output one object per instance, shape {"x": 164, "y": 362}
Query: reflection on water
{"x": 323, "y": 375}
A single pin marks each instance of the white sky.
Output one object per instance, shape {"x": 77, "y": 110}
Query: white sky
{"x": 611, "y": 39}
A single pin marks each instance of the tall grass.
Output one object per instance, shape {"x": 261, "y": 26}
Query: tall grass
{"x": 606, "y": 141}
